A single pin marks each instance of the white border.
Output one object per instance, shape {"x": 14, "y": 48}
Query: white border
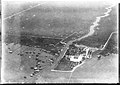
{"x": 117, "y": 9}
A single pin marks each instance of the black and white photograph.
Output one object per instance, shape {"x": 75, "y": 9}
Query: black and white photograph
{"x": 0, "y": 41}
{"x": 59, "y": 41}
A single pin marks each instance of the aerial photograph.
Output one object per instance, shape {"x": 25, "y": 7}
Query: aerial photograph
{"x": 59, "y": 42}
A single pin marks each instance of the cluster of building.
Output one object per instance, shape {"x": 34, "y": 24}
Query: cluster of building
{"x": 83, "y": 53}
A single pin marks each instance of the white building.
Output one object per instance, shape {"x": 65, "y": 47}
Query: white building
{"x": 77, "y": 58}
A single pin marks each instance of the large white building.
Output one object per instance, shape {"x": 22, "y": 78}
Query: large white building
{"x": 78, "y": 58}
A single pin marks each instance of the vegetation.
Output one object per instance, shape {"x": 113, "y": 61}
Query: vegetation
{"x": 106, "y": 27}
{"x": 34, "y": 41}
{"x": 111, "y": 46}
{"x": 33, "y": 60}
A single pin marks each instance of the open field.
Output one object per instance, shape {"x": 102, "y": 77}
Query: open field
{"x": 112, "y": 46}
{"x": 22, "y": 62}
{"x": 93, "y": 71}
{"x": 106, "y": 27}
{"x": 52, "y": 21}
{"x": 32, "y": 43}
{"x": 104, "y": 70}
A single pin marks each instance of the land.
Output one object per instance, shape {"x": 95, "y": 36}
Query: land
{"x": 106, "y": 27}
{"x": 111, "y": 47}
{"x": 34, "y": 41}
{"x": 48, "y": 44}
{"x": 24, "y": 62}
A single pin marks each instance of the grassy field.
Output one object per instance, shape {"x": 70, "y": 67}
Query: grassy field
{"x": 92, "y": 71}
{"x": 49, "y": 21}
{"x": 104, "y": 70}
{"x": 106, "y": 27}
{"x": 112, "y": 46}
{"x": 53, "y": 21}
